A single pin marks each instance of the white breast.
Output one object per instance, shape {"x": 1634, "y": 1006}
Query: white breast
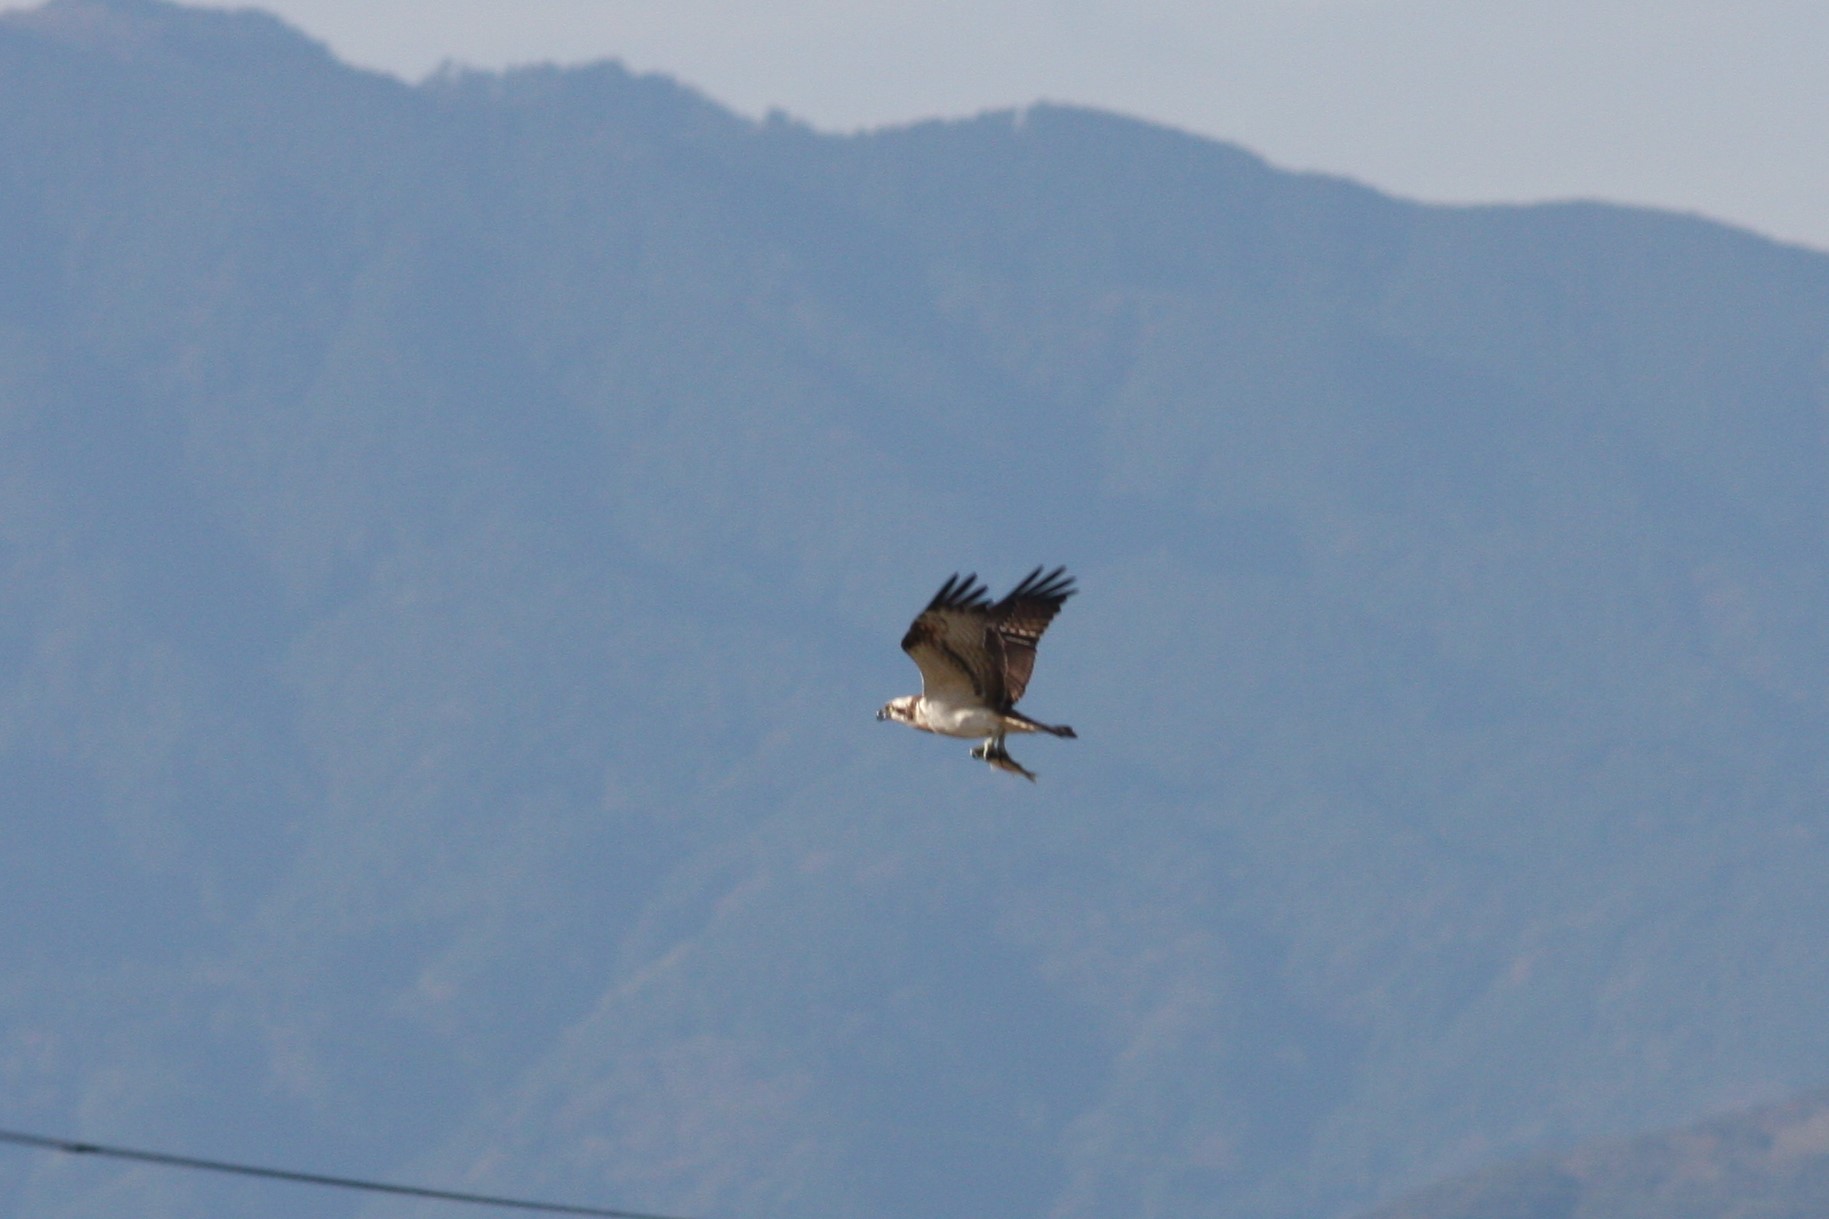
{"x": 950, "y": 718}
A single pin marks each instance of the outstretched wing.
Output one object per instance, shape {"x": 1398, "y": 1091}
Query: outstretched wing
{"x": 950, "y": 643}
{"x": 1017, "y": 623}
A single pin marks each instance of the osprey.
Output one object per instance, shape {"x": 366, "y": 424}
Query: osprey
{"x": 975, "y": 660}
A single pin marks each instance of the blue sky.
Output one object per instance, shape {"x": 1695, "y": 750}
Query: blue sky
{"x": 1718, "y": 108}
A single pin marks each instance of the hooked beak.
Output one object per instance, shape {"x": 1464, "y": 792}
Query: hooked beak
{"x": 883, "y": 714}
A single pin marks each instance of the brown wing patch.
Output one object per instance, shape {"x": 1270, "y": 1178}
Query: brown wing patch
{"x": 948, "y": 642}
{"x": 1020, "y": 619}
{"x": 963, "y": 644}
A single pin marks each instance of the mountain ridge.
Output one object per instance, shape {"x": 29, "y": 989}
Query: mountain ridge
{"x": 1773, "y": 1160}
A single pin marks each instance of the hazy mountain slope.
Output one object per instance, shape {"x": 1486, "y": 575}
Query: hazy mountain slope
{"x": 1771, "y": 1162}
{"x": 454, "y": 538}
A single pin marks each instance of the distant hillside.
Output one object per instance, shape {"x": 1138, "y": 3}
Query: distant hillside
{"x": 454, "y": 537}
{"x": 1772, "y": 1162}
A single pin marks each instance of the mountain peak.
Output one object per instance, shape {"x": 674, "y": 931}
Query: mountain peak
{"x": 137, "y": 30}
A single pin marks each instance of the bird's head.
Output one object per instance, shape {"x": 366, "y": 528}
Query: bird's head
{"x": 900, "y": 709}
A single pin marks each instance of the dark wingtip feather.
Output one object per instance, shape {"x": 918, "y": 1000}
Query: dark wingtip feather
{"x": 1055, "y": 586}
{"x": 960, "y": 593}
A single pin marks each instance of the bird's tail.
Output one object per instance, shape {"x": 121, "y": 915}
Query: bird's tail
{"x": 1016, "y": 721}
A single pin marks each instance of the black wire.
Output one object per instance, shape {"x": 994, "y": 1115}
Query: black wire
{"x": 73, "y": 1147}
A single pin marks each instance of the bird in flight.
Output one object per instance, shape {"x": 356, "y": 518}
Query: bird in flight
{"x": 975, "y": 659}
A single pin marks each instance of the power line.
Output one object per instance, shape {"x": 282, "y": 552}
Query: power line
{"x": 73, "y": 1147}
